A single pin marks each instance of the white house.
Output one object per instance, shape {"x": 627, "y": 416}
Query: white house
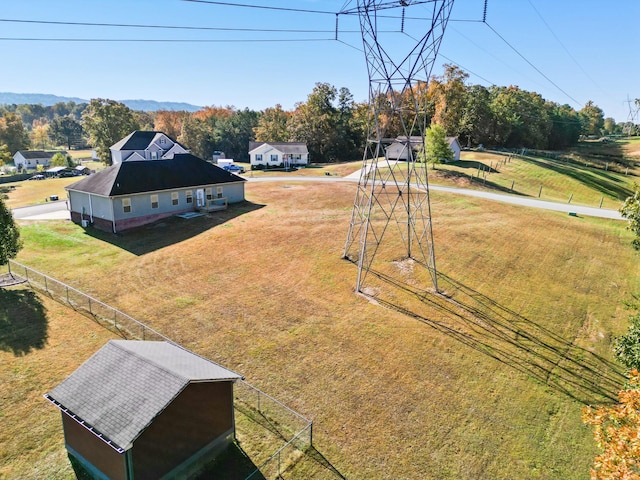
{"x": 454, "y": 145}
{"x": 278, "y": 154}
{"x": 142, "y": 145}
{"x": 399, "y": 149}
{"x": 30, "y": 159}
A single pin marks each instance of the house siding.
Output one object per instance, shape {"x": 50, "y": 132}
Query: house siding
{"x": 90, "y": 206}
{"x": 268, "y": 150}
{"x": 109, "y": 211}
{"x": 201, "y": 414}
{"x": 91, "y": 449}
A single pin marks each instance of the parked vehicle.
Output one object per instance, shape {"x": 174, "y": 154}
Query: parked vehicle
{"x": 37, "y": 177}
{"x": 234, "y": 168}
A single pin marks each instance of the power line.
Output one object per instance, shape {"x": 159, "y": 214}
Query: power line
{"x": 263, "y": 7}
{"x": 162, "y": 40}
{"x": 171, "y": 27}
{"x": 530, "y": 64}
{"x": 565, "y": 49}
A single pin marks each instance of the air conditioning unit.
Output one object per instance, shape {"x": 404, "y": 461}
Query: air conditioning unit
{"x": 85, "y": 223}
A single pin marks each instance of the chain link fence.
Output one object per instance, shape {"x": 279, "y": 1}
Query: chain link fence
{"x": 288, "y": 426}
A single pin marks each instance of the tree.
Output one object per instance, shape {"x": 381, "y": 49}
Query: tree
{"x": 617, "y": 432}
{"x": 437, "y": 148}
{"x": 106, "y": 122}
{"x": 65, "y": 131}
{"x": 170, "y": 122}
{"x": 12, "y": 132}
{"x": 627, "y": 346}
{"x": 40, "y": 135}
{"x": 592, "y": 119}
{"x": 10, "y": 242}
{"x": 631, "y": 211}
{"x": 272, "y": 125}
{"x": 5, "y": 155}
{"x": 449, "y": 96}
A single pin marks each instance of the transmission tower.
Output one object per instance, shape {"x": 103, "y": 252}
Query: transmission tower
{"x": 392, "y": 200}
{"x": 630, "y": 127}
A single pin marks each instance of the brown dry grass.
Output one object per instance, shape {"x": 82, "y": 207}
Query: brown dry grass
{"x": 410, "y": 387}
{"x": 41, "y": 343}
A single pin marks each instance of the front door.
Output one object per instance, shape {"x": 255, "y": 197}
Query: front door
{"x": 200, "y": 199}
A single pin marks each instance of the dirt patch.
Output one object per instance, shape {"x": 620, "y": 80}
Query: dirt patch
{"x": 9, "y": 279}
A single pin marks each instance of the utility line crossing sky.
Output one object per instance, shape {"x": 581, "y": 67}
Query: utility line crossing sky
{"x": 219, "y": 53}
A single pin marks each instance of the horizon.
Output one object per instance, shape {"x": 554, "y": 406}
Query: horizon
{"x": 256, "y": 59}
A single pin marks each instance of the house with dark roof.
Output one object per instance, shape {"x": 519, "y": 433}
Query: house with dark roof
{"x": 145, "y": 145}
{"x": 130, "y": 194}
{"x": 145, "y": 409}
{"x": 278, "y": 154}
{"x": 30, "y": 159}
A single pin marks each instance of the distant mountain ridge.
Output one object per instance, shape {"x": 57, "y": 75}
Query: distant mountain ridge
{"x": 7, "y": 98}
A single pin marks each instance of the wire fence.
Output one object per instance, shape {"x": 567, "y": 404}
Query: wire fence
{"x": 292, "y": 428}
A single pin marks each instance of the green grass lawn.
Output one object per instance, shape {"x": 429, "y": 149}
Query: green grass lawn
{"x": 486, "y": 381}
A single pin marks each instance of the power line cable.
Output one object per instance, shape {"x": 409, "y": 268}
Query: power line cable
{"x": 530, "y": 64}
{"x": 163, "y": 40}
{"x": 566, "y": 49}
{"x": 171, "y": 27}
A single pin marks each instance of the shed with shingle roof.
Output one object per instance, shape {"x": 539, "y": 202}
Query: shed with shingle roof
{"x": 142, "y": 409}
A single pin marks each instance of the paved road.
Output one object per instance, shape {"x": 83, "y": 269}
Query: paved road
{"x": 58, "y": 210}
{"x": 499, "y": 197}
{"x": 44, "y": 211}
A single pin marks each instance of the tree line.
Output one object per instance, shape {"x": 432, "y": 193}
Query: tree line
{"x": 329, "y": 121}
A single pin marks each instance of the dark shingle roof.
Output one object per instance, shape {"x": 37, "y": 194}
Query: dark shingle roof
{"x": 126, "y": 178}
{"x": 120, "y": 390}
{"x": 284, "y": 147}
{"x": 36, "y": 154}
{"x": 139, "y": 140}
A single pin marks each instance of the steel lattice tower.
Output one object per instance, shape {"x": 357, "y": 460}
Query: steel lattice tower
{"x": 392, "y": 199}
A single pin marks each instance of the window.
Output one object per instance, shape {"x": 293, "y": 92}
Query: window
{"x": 162, "y": 141}
{"x": 126, "y": 205}
{"x": 174, "y": 198}
{"x": 274, "y": 157}
{"x": 154, "y": 201}
{"x": 219, "y": 192}
{"x": 154, "y": 155}
{"x": 209, "y": 193}
{"x": 189, "y": 196}
{"x": 258, "y": 157}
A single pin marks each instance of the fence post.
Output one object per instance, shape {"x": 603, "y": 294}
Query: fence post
{"x": 46, "y": 287}
{"x": 601, "y": 200}
{"x": 570, "y": 198}
{"x": 90, "y": 311}
{"x": 66, "y": 287}
{"x": 540, "y": 191}
{"x": 512, "y": 184}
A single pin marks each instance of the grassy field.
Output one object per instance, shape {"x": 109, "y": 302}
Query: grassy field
{"x": 485, "y": 381}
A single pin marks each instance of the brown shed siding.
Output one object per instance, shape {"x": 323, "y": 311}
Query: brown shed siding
{"x": 94, "y": 450}
{"x": 198, "y": 416}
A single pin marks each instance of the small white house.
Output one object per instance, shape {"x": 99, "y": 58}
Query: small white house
{"x": 278, "y": 154}
{"x": 30, "y": 159}
{"x": 399, "y": 149}
{"x": 454, "y": 145}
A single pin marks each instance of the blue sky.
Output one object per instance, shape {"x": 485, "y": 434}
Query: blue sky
{"x": 586, "y": 50}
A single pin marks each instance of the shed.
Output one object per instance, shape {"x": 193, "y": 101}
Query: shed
{"x": 143, "y": 409}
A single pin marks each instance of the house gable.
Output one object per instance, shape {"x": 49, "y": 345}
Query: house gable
{"x": 119, "y": 391}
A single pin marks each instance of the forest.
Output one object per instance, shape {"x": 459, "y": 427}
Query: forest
{"x": 333, "y": 125}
